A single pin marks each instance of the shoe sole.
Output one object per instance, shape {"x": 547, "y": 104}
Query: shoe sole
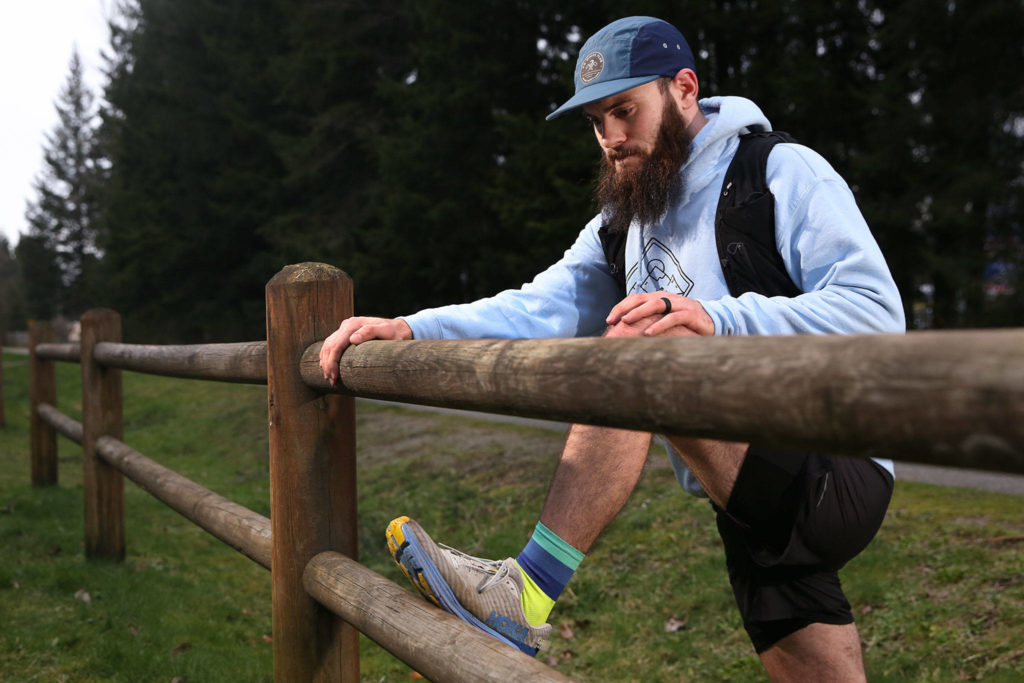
{"x": 415, "y": 563}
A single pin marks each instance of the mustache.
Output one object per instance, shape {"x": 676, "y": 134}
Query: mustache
{"x": 623, "y": 153}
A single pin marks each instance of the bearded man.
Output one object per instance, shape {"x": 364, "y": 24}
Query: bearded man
{"x": 788, "y": 520}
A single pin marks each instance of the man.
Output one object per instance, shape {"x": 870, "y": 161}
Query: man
{"x": 788, "y": 520}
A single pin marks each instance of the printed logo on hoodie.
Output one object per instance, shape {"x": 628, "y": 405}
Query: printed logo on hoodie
{"x": 658, "y": 270}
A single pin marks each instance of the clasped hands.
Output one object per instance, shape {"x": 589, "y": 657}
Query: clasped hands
{"x": 666, "y": 313}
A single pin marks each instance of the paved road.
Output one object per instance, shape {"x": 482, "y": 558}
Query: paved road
{"x": 996, "y": 482}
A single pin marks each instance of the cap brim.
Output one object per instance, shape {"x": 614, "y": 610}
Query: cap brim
{"x": 599, "y": 91}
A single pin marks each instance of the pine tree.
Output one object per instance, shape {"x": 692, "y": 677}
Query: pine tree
{"x": 12, "y": 313}
{"x": 40, "y": 277}
{"x": 62, "y": 215}
{"x": 327, "y": 74}
{"x": 193, "y": 174}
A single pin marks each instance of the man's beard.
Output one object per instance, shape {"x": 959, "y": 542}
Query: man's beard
{"x": 644, "y": 192}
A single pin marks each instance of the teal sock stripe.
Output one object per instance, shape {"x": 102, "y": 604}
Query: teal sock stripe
{"x": 553, "y": 543}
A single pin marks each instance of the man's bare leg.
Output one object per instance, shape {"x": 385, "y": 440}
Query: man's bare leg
{"x": 595, "y": 476}
{"x": 597, "y": 472}
{"x": 817, "y": 652}
{"x": 715, "y": 464}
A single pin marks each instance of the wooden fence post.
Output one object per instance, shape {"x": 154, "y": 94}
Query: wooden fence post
{"x": 101, "y": 416}
{"x": 43, "y": 389}
{"x": 312, "y": 474}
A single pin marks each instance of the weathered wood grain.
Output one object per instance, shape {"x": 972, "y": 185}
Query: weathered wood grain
{"x": 244, "y": 530}
{"x": 434, "y": 643}
{"x": 312, "y": 474}
{"x": 945, "y": 398}
{"x": 71, "y": 353}
{"x": 103, "y": 486}
{"x": 42, "y": 389}
{"x": 62, "y": 423}
{"x": 242, "y": 362}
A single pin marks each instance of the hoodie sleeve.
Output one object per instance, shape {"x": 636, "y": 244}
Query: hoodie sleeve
{"x": 829, "y": 253}
{"x": 571, "y": 298}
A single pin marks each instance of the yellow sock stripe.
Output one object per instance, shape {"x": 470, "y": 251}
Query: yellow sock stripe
{"x": 536, "y": 604}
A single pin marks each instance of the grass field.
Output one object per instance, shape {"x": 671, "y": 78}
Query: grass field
{"x": 939, "y": 595}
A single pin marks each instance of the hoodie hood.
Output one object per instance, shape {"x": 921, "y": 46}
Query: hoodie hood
{"x": 728, "y": 117}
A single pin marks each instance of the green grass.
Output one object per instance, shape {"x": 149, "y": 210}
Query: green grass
{"x": 938, "y": 596}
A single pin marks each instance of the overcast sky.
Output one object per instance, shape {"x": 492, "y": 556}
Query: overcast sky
{"x": 37, "y": 38}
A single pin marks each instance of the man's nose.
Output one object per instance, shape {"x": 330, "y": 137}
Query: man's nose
{"x": 611, "y": 134}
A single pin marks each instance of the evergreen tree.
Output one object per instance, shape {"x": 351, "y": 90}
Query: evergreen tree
{"x": 193, "y": 172}
{"x": 12, "y": 310}
{"x": 946, "y": 153}
{"x": 405, "y": 142}
{"x": 40, "y": 275}
{"x": 327, "y": 79}
{"x": 474, "y": 191}
{"x": 62, "y": 217}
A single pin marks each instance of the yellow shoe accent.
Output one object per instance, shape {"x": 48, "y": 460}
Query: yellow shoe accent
{"x": 396, "y": 539}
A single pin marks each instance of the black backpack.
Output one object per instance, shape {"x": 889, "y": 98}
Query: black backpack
{"x": 744, "y": 225}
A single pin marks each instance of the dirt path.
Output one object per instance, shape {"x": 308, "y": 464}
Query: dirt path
{"x": 996, "y": 482}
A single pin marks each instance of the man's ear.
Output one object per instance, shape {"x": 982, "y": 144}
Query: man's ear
{"x": 685, "y": 88}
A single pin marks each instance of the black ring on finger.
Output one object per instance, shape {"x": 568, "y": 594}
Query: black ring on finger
{"x": 668, "y": 305}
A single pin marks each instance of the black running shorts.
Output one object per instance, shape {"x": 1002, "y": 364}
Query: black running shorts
{"x": 792, "y": 521}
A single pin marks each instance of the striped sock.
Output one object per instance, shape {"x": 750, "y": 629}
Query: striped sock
{"x": 546, "y": 563}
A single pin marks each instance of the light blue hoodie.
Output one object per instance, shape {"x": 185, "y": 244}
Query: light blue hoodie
{"x": 826, "y": 246}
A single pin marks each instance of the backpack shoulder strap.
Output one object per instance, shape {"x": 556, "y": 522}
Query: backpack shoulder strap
{"x": 745, "y": 222}
{"x": 614, "y": 245}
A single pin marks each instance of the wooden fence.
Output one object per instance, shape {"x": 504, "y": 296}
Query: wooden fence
{"x": 954, "y": 398}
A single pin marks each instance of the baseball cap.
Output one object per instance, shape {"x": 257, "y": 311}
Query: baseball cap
{"x": 624, "y": 54}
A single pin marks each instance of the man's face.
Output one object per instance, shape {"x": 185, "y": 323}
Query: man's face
{"x": 645, "y": 143}
{"x": 626, "y": 125}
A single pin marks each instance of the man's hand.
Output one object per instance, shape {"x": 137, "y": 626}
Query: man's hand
{"x": 355, "y": 331}
{"x": 686, "y": 316}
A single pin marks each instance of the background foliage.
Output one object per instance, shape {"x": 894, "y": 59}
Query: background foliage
{"x": 404, "y": 142}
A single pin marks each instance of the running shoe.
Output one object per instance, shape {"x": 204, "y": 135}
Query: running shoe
{"x": 484, "y": 593}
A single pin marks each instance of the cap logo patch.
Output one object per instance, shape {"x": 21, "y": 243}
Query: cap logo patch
{"x": 592, "y": 67}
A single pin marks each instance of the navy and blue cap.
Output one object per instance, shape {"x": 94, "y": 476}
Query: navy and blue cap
{"x": 624, "y": 54}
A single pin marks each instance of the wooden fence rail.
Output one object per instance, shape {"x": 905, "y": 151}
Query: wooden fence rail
{"x": 438, "y": 644}
{"x": 70, "y": 352}
{"x": 944, "y": 398}
{"x": 64, "y": 425}
{"x": 954, "y": 398}
{"x": 243, "y": 362}
{"x": 433, "y": 642}
{"x": 239, "y": 527}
